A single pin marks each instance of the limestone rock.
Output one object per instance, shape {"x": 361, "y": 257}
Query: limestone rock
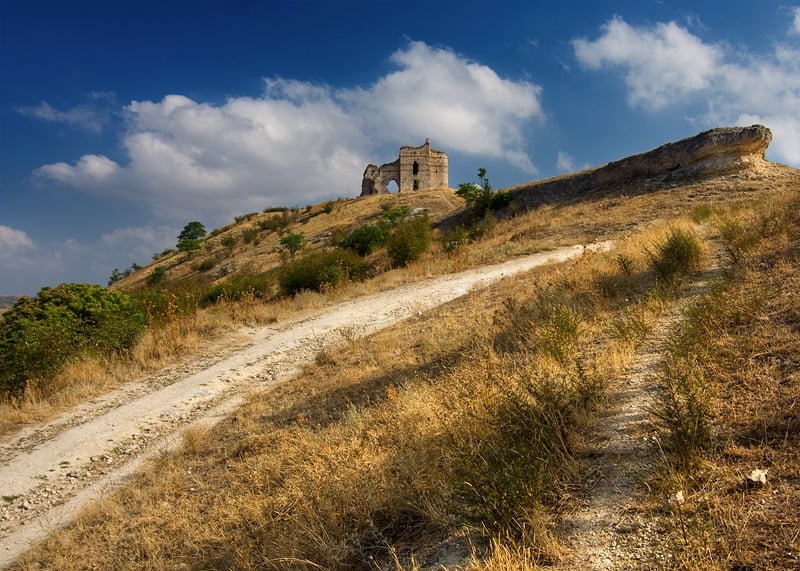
{"x": 711, "y": 153}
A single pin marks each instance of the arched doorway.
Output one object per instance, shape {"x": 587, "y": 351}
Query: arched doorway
{"x": 392, "y": 186}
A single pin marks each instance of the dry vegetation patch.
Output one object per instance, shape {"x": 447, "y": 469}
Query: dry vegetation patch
{"x": 465, "y": 421}
{"x": 731, "y": 402}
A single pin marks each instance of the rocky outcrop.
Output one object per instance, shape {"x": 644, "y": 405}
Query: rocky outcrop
{"x": 711, "y": 153}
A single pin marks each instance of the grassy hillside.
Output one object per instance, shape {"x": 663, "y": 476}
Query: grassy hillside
{"x": 467, "y": 429}
{"x": 251, "y": 244}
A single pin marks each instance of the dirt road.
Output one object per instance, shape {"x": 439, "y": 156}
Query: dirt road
{"x": 50, "y": 471}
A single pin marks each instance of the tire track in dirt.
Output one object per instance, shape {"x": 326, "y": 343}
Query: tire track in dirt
{"x": 50, "y": 472}
{"x": 609, "y": 530}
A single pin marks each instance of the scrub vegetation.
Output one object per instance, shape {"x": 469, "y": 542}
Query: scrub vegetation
{"x": 467, "y": 430}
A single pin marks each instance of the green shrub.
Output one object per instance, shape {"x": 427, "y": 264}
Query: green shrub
{"x": 293, "y": 243}
{"x": 261, "y": 286}
{"x": 455, "y": 239}
{"x": 228, "y": 241}
{"x": 366, "y": 238}
{"x": 157, "y": 276}
{"x": 678, "y": 255}
{"x": 409, "y": 241}
{"x": 38, "y": 336}
{"x": 500, "y": 199}
{"x": 277, "y": 223}
{"x": 321, "y": 269}
{"x": 395, "y": 216}
{"x": 269, "y": 209}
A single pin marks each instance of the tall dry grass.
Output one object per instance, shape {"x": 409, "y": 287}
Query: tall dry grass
{"x": 465, "y": 421}
{"x": 731, "y": 390}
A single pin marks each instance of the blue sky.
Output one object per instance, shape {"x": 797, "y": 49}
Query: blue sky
{"x": 121, "y": 121}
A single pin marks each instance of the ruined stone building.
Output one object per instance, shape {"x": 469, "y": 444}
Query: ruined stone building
{"x": 417, "y": 168}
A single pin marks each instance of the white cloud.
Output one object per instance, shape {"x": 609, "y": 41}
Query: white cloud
{"x": 663, "y": 63}
{"x": 89, "y": 171}
{"x": 22, "y": 262}
{"x": 738, "y": 88}
{"x": 92, "y": 116}
{"x": 796, "y": 20}
{"x": 13, "y": 242}
{"x": 565, "y": 162}
{"x": 462, "y": 105}
{"x": 301, "y": 142}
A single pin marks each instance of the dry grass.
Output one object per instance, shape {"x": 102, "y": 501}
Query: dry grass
{"x": 741, "y": 349}
{"x": 464, "y": 420}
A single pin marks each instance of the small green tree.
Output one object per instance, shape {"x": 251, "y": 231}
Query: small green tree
{"x": 480, "y": 198}
{"x": 190, "y": 236}
{"x": 115, "y": 276}
{"x": 293, "y": 243}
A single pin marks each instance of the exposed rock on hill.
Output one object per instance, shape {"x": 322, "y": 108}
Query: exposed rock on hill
{"x": 711, "y": 153}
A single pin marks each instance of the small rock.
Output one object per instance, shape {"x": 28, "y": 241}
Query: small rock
{"x": 756, "y": 478}
{"x": 73, "y": 474}
{"x": 25, "y": 506}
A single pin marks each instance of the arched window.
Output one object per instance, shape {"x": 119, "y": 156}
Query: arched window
{"x": 392, "y": 186}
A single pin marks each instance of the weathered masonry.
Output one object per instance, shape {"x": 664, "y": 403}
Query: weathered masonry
{"x": 417, "y": 168}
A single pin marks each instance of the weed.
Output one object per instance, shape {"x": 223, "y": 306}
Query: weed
{"x": 676, "y": 257}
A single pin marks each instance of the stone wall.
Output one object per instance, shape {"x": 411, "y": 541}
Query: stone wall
{"x": 417, "y": 168}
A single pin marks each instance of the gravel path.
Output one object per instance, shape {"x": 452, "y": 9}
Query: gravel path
{"x": 50, "y": 471}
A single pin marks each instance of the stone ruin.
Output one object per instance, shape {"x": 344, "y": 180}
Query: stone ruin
{"x": 417, "y": 168}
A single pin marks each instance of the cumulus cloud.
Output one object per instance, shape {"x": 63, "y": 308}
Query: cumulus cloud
{"x": 465, "y": 106}
{"x": 92, "y": 116}
{"x": 795, "y": 20}
{"x": 89, "y": 171}
{"x": 13, "y": 242}
{"x": 301, "y": 142}
{"x": 24, "y": 262}
{"x": 664, "y": 64}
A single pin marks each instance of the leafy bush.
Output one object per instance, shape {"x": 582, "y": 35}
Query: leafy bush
{"x": 38, "y": 336}
{"x": 366, "y": 238}
{"x": 480, "y": 198}
{"x": 270, "y": 209}
{"x": 409, "y": 241}
{"x": 260, "y": 285}
{"x": 277, "y": 223}
{"x": 455, "y": 239}
{"x": 395, "y": 216}
{"x": 228, "y": 241}
{"x": 293, "y": 243}
{"x": 321, "y": 269}
{"x": 157, "y": 276}
{"x": 499, "y": 200}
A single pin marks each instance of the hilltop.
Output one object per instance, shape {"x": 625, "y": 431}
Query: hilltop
{"x": 251, "y": 244}
{"x": 616, "y": 391}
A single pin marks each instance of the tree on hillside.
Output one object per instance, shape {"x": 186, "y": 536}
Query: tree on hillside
{"x": 480, "y": 198}
{"x": 190, "y": 236}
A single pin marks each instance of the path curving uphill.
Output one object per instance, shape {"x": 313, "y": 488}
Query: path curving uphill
{"x": 50, "y": 471}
